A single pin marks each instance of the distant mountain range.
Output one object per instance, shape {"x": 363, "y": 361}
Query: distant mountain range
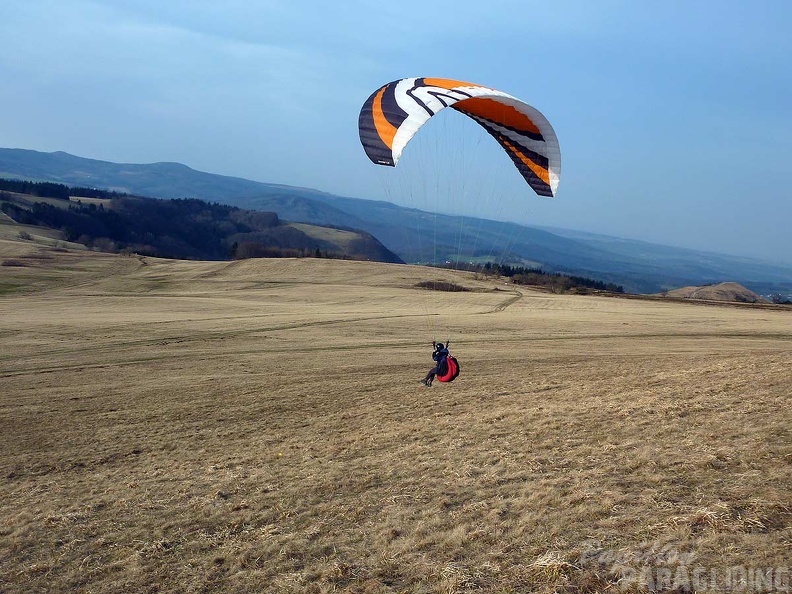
{"x": 415, "y": 235}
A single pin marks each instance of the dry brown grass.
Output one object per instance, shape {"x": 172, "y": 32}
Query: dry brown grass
{"x": 259, "y": 426}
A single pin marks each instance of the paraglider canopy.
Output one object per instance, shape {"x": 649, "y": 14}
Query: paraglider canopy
{"x": 395, "y": 112}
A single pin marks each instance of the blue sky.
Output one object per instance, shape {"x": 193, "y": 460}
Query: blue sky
{"x": 674, "y": 118}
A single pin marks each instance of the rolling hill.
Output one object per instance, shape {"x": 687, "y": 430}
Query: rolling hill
{"x": 730, "y": 292}
{"x": 258, "y": 426}
{"x": 638, "y": 266}
{"x": 177, "y": 228}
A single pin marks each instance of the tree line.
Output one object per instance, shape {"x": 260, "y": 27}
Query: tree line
{"x": 53, "y": 190}
{"x": 185, "y": 228}
{"x": 555, "y": 281}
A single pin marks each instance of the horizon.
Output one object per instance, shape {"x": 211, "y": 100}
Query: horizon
{"x": 673, "y": 131}
{"x": 561, "y": 231}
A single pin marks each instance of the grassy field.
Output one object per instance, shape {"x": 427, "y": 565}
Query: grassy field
{"x": 258, "y": 426}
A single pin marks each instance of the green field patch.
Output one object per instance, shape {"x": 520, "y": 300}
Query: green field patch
{"x": 330, "y": 234}
{"x": 9, "y": 288}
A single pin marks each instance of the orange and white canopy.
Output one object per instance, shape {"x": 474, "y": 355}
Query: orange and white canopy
{"x": 395, "y": 112}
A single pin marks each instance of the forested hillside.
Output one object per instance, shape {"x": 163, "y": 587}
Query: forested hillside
{"x": 637, "y": 266}
{"x": 179, "y": 228}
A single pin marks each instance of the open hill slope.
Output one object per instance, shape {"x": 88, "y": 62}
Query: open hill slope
{"x": 638, "y": 266}
{"x": 191, "y": 229}
{"x": 258, "y": 426}
{"x": 732, "y": 292}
